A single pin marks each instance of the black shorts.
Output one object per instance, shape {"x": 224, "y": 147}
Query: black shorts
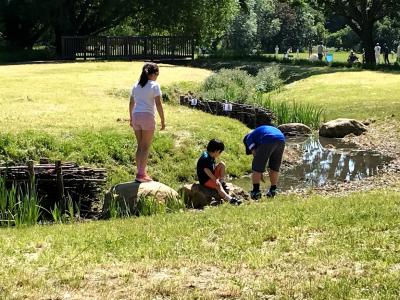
{"x": 271, "y": 153}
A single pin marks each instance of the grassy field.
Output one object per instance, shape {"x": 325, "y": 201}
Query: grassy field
{"x": 318, "y": 248}
{"x": 349, "y": 94}
{"x": 306, "y": 248}
{"x": 79, "y": 112}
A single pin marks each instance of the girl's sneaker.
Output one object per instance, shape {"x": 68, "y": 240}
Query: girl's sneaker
{"x": 143, "y": 178}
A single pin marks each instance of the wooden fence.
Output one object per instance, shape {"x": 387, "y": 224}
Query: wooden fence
{"x": 249, "y": 115}
{"x": 129, "y": 47}
{"x": 55, "y": 182}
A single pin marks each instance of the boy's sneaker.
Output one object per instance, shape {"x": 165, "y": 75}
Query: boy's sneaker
{"x": 255, "y": 195}
{"x": 225, "y": 187}
{"x": 271, "y": 193}
{"x": 235, "y": 201}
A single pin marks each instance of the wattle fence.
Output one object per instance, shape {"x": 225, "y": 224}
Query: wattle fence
{"x": 127, "y": 47}
{"x": 251, "y": 116}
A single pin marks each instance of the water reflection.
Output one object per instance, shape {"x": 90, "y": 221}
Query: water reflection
{"x": 326, "y": 160}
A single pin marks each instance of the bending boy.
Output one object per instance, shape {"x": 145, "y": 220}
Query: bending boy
{"x": 267, "y": 144}
{"x": 210, "y": 174}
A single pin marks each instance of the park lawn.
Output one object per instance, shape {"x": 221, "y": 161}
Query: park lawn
{"x": 307, "y": 248}
{"x": 79, "y": 112}
{"x": 67, "y": 96}
{"x": 348, "y": 94}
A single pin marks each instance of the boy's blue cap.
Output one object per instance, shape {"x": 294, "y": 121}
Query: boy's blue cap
{"x": 248, "y": 151}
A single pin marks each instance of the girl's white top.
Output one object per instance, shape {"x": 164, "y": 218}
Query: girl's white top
{"x": 144, "y": 96}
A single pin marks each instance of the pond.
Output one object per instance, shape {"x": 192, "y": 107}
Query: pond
{"x": 325, "y": 160}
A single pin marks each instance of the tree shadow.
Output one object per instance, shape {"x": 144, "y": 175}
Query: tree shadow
{"x": 290, "y": 72}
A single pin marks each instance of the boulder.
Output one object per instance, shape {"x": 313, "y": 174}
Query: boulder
{"x": 341, "y": 127}
{"x": 126, "y": 194}
{"x": 292, "y": 129}
{"x": 198, "y": 196}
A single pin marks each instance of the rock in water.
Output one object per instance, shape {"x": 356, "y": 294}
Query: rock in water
{"x": 293, "y": 129}
{"x": 341, "y": 127}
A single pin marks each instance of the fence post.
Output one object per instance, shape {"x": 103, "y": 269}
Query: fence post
{"x": 60, "y": 185}
{"x": 63, "y": 55}
{"x": 193, "y": 47}
{"x": 107, "y": 47}
{"x": 31, "y": 173}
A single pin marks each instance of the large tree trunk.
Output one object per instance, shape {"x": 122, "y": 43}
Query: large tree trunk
{"x": 368, "y": 44}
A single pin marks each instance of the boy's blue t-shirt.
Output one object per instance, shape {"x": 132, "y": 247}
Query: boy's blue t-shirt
{"x": 263, "y": 135}
{"x": 205, "y": 161}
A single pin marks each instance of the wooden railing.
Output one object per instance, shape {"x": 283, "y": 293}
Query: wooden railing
{"x": 129, "y": 47}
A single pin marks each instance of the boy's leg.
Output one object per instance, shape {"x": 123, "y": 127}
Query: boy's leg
{"x": 220, "y": 174}
{"x": 274, "y": 165}
{"x": 219, "y": 171}
{"x": 218, "y": 187}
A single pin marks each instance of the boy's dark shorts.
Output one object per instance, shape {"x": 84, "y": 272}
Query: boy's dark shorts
{"x": 271, "y": 153}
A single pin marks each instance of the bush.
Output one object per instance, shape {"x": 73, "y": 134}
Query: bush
{"x": 268, "y": 79}
{"x": 233, "y": 85}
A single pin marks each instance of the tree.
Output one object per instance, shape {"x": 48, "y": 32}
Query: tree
{"x": 23, "y": 21}
{"x": 361, "y": 16}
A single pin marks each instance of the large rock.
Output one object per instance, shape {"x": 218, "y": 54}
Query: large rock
{"x": 292, "y": 129}
{"x": 126, "y": 194}
{"x": 341, "y": 127}
{"x": 198, "y": 196}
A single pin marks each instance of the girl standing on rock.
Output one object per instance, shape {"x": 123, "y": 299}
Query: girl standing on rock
{"x": 145, "y": 98}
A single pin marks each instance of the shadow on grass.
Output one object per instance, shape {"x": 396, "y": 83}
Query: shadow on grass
{"x": 291, "y": 70}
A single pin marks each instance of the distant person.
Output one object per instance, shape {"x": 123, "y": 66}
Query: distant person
{"x": 267, "y": 144}
{"x": 276, "y": 51}
{"x": 297, "y": 53}
{"x": 309, "y": 51}
{"x": 211, "y": 174}
{"x": 287, "y": 54}
{"x": 386, "y": 52}
{"x": 145, "y": 98}
{"x": 352, "y": 58}
{"x": 320, "y": 51}
{"x": 377, "y": 51}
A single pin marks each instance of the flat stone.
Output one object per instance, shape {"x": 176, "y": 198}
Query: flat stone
{"x": 339, "y": 128}
{"x": 126, "y": 194}
{"x": 293, "y": 129}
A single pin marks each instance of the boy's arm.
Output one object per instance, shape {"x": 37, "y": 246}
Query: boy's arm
{"x": 210, "y": 174}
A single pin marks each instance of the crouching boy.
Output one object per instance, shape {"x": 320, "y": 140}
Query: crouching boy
{"x": 212, "y": 175}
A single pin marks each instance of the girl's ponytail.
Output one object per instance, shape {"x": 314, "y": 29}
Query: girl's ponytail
{"x": 148, "y": 69}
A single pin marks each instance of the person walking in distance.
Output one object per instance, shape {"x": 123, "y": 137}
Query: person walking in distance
{"x": 377, "y": 50}
{"x": 145, "y": 99}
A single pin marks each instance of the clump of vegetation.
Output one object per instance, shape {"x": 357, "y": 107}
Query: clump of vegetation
{"x": 233, "y": 85}
{"x": 238, "y": 86}
{"x": 19, "y": 205}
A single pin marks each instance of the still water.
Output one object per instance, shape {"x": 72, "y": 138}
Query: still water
{"x": 325, "y": 160}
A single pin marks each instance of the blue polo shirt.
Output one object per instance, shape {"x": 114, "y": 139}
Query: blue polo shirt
{"x": 263, "y": 135}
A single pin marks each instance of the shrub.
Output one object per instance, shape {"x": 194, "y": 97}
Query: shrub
{"x": 233, "y": 85}
{"x": 268, "y": 79}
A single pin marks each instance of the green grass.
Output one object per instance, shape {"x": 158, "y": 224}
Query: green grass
{"x": 360, "y": 95}
{"x": 79, "y": 112}
{"x": 319, "y": 248}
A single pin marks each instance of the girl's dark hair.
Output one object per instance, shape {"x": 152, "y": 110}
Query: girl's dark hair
{"x": 148, "y": 69}
{"x": 215, "y": 145}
